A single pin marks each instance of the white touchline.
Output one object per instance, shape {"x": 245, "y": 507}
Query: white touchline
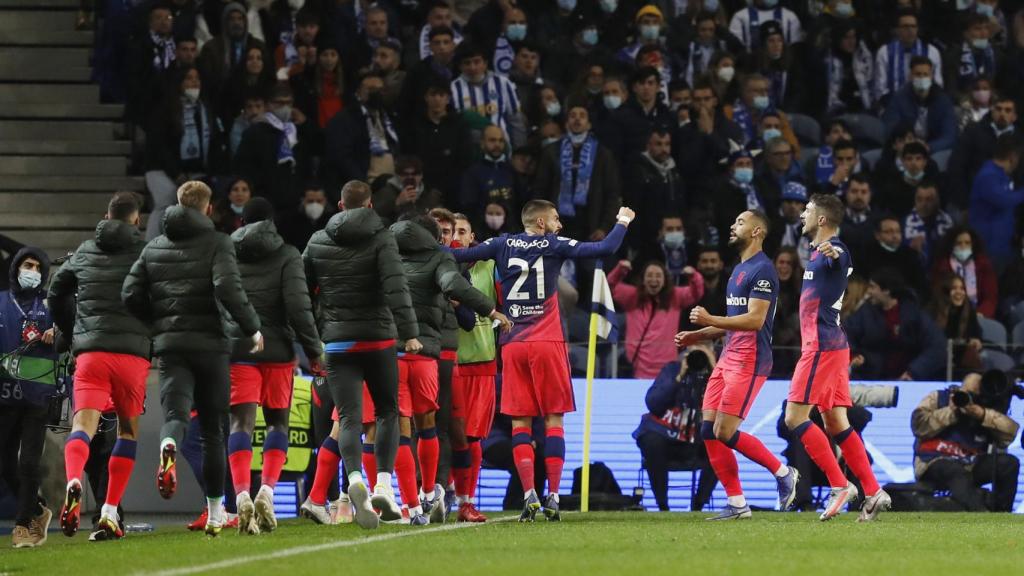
{"x": 287, "y": 552}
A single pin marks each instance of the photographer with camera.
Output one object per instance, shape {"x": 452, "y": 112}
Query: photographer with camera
{"x": 960, "y": 433}
{"x": 670, "y": 432}
{"x": 27, "y": 366}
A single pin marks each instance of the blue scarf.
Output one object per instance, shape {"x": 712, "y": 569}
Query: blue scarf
{"x": 195, "y": 139}
{"x": 287, "y": 138}
{"x": 899, "y": 62}
{"x": 975, "y": 63}
{"x": 741, "y": 116}
{"x": 825, "y": 166}
{"x": 569, "y": 196}
{"x": 750, "y": 193}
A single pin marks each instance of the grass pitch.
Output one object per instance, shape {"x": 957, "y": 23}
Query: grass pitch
{"x": 906, "y": 544}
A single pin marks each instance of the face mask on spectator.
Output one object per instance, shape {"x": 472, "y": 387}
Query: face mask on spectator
{"x": 494, "y": 221}
{"x": 516, "y": 32}
{"x": 711, "y": 5}
{"x": 238, "y": 209}
{"x": 982, "y": 96}
{"x": 888, "y": 248}
{"x": 980, "y": 43}
{"x": 547, "y": 141}
{"x": 913, "y": 177}
{"x": 609, "y": 6}
{"x": 769, "y": 3}
{"x": 843, "y": 9}
{"x": 986, "y": 10}
{"x": 726, "y": 73}
{"x": 578, "y": 139}
{"x": 922, "y": 84}
{"x": 283, "y": 113}
{"x": 650, "y": 31}
{"x": 612, "y": 102}
{"x": 963, "y": 4}
{"x": 553, "y": 108}
{"x": 589, "y": 37}
{"x": 314, "y": 210}
{"x": 192, "y": 94}
{"x": 29, "y": 279}
{"x": 770, "y": 134}
{"x": 962, "y": 254}
{"x": 674, "y": 240}
{"x": 743, "y": 175}
{"x": 567, "y": 5}
{"x": 762, "y": 102}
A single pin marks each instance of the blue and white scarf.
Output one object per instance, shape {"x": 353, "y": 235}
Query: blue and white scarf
{"x": 195, "y": 139}
{"x": 570, "y": 196}
{"x": 163, "y": 51}
{"x": 825, "y": 166}
{"x": 742, "y": 117}
{"x": 753, "y": 200}
{"x": 381, "y": 132}
{"x": 754, "y": 27}
{"x": 288, "y": 138}
{"x": 503, "y": 55}
{"x": 973, "y": 64}
{"x": 899, "y": 63}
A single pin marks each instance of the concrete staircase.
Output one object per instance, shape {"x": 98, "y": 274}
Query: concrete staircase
{"x": 62, "y": 153}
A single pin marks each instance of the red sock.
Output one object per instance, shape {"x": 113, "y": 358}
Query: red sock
{"x": 753, "y": 449}
{"x": 476, "y": 458}
{"x": 723, "y": 460}
{"x": 554, "y": 457}
{"x": 523, "y": 456}
{"x": 240, "y": 460}
{"x": 76, "y": 454}
{"x": 405, "y": 469}
{"x": 856, "y": 457}
{"x": 119, "y": 470}
{"x": 370, "y": 465}
{"x": 327, "y": 459}
{"x": 820, "y": 450}
{"x": 275, "y": 452}
{"x": 428, "y": 449}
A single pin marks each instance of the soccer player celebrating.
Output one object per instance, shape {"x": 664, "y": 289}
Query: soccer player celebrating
{"x": 181, "y": 282}
{"x": 112, "y": 350}
{"x": 535, "y": 362}
{"x": 822, "y": 376}
{"x": 355, "y": 272}
{"x": 273, "y": 278}
{"x": 743, "y": 367}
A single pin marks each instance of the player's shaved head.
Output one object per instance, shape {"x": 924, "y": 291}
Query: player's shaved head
{"x": 760, "y": 220}
{"x": 536, "y": 209}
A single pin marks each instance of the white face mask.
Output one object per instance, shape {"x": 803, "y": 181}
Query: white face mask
{"x": 192, "y": 94}
{"x": 29, "y": 279}
{"x": 726, "y": 73}
{"x": 314, "y": 210}
{"x": 494, "y": 221}
{"x": 238, "y": 209}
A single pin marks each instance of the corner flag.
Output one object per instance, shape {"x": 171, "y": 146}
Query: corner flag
{"x": 602, "y": 321}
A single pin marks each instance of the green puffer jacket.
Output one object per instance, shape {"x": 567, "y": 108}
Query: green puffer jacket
{"x": 184, "y": 281}
{"x": 433, "y": 278}
{"x": 356, "y": 279}
{"x": 275, "y": 283}
{"x": 96, "y": 273}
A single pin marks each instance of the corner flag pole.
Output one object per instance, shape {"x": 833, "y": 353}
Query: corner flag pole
{"x": 591, "y": 363}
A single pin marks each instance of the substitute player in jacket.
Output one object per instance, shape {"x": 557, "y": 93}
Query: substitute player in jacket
{"x": 535, "y": 362}
{"x": 822, "y": 375}
{"x": 112, "y": 350}
{"x": 180, "y": 284}
{"x": 274, "y": 279}
{"x": 743, "y": 367}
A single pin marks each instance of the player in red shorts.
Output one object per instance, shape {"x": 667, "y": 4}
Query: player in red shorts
{"x": 536, "y": 378}
{"x": 274, "y": 279}
{"x": 822, "y": 376}
{"x": 743, "y": 366}
{"x": 112, "y": 350}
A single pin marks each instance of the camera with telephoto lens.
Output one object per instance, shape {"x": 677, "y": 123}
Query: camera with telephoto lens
{"x": 695, "y": 381}
{"x": 961, "y": 398}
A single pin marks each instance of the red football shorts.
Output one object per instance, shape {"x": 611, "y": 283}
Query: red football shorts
{"x": 536, "y": 379}
{"x": 267, "y": 384}
{"x": 417, "y": 385}
{"x": 104, "y": 376}
{"x": 473, "y": 401}
{"x": 732, "y": 392}
{"x": 822, "y": 378}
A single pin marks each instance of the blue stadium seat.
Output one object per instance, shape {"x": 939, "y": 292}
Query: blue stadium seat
{"x": 807, "y": 129}
{"x": 942, "y": 159}
{"x": 992, "y": 331}
{"x": 871, "y": 157}
{"x": 868, "y": 131}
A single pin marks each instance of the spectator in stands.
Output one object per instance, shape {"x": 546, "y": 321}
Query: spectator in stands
{"x": 778, "y": 168}
{"x": 491, "y": 178}
{"x": 361, "y": 141}
{"x": 706, "y": 40}
{"x": 847, "y": 72}
{"x": 652, "y": 307}
{"x": 387, "y": 60}
{"x": 723, "y": 77}
{"x": 977, "y": 145}
{"x": 894, "y": 60}
{"x": 435, "y": 69}
{"x": 786, "y": 329}
{"x": 373, "y": 34}
{"x": 228, "y": 50}
{"x": 782, "y": 67}
{"x": 844, "y": 162}
{"x": 994, "y": 200}
{"x": 897, "y": 187}
{"x": 405, "y": 192}
{"x": 823, "y": 165}
{"x": 769, "y": 128}
{"x": 648, "y": 23}
{"x": 787, "y": 227}
{"x": 514, "y": 29}
{"x": 319, "y": 91}
{"x": 891, "y": 337}
{"x": 185, "y": 142}
{"x": 745, "y": 23}
{"x": 858, "y": 229}
{"x": 149, "y": 55}
{"x": 642, "y": 114}
{"x": 255, "y": 78}
{"x": 439, "y": 15}
{"x": 254, "y": 107}
{"x": 974, "y": 57}
{"x": 927, "y": 223}
{"x": 888, "y": 251}
{"x": 546, "y": 107}
{"x": 186, "y": 51}
{"x": 272, "y": 156}
{"x": 670, "y": 432}
{"x": 954, "y": 314}
{"x": 526, "y": 73}
{"x": 924, "y": 106}
{"x": 297, "y": 226}
{"x": 754, "y": 103}
{"x": 699, "y": 146}
{"x": 479, "y": 91}
{"x": 736, "y": 192}
{"x": 959, "y": 447}
{"x": 962, "y": 253}
{"x": 292, "y": 56}
{"x": 580, "y": 50}
{"x": 712, "y": 270}
{"x": 670, "y": 247}
{"x": 442, "y": 141}
{"x": 974, "y": 104}
{"x": 656, "y": 189}
{"x": 581, "y": 177}
{"x": 227, "y": 213}
{"x": 496, "y": 220}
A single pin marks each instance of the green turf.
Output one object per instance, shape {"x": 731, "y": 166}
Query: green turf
{"x": 594, "y": 544}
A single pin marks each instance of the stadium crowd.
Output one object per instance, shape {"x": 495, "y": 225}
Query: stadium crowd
{"x": 688, "y": 111}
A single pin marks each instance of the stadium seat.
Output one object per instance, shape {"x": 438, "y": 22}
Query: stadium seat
{"x": 1018, "y": 341}
{"x": 942, "y": 159}
{"x": 992, "y": 331}
{"x": 871, "y": 157}
{"x": 1017, "y": 314}
{"x": 807, "y": 129}
{"x": 868, "y": 131}
{"x": 996, "y": 360}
